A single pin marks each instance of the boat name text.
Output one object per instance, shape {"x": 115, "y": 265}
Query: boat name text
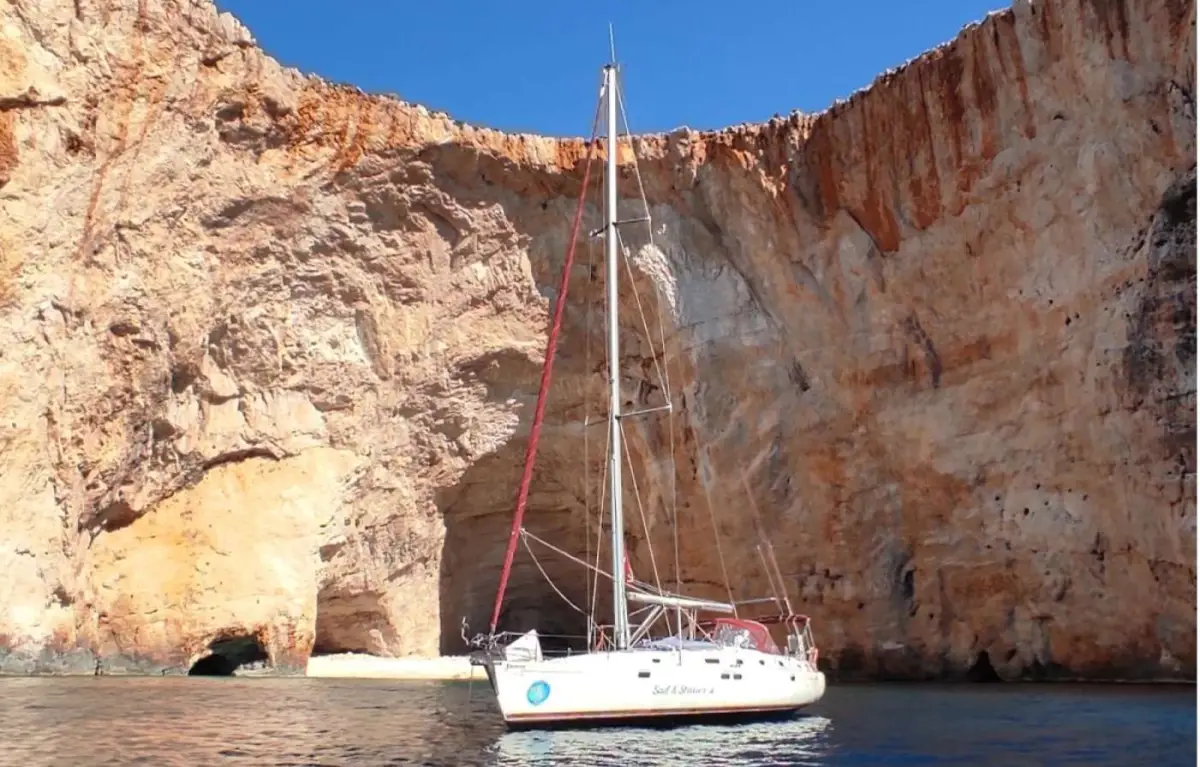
{"x": 682, "y": 689}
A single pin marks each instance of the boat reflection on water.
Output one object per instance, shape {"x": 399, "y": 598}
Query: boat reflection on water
{"x": 800, "y": 740}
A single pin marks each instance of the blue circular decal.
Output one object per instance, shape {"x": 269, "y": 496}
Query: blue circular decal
{"x": 537, "y": 693}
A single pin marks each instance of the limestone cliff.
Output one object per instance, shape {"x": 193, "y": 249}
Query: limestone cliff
{"x": 269, "y": 346}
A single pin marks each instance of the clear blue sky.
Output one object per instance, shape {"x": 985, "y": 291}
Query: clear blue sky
{"x": 533, "y": 65}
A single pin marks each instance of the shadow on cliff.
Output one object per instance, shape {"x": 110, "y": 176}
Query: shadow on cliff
{"x": 1161, "y": 355}
{"x": 478, "y": 514}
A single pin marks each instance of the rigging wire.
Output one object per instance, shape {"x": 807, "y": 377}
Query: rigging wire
{"x": 549, "y": 580}
{"x": 663, "y": 372}
{"x": 547, "y": 367}
{"x": 594, "y": 625}
{"x": 587, "y": 414}
{"x": 637, "y": 495}
{"x": 600, "y": 521}
{"x": 712, "y": 516}
{"x": 526, "y": 534}
{"x": 773, "y": 573}
{"x": 772, "y": 565}
{"x": 649, "y": 588}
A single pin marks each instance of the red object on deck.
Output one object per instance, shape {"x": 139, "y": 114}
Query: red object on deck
{"x": 547, "y": 366}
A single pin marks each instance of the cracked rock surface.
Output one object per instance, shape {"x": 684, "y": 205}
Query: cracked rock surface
{"x": 269, "y": 349}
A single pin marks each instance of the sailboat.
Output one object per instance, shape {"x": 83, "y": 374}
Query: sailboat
{"x": 713, "y": 665}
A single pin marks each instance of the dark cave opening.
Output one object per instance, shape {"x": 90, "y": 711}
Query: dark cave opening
{"x": 228, "y": 654}
{"x": 478, "y": 516}
{"x": 473, "y": 556}
{"x": 468, "y": 592}
{"x": 560, "y": 628}
{"x": 982, "y": 670}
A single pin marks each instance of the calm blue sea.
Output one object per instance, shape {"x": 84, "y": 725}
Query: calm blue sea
{"x": 255, "y": 721}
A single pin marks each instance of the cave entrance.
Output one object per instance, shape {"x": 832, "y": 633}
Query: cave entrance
{"x": 353, "y": 622}
{"x": 228, "y": 654}
{"x": 472, "y": 558}
{"x": 561, "y": 509}
{"x": 982, "y": 671}
{"x": 560, "y": 629}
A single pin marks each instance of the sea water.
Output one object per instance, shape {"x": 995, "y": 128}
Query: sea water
{"x": 263, "y": 721}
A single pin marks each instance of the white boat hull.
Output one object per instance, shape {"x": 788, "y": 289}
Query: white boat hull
{"x": 639, "y": 684}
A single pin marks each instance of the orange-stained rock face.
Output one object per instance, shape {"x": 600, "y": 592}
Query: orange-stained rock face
{"x": 269, "y": 349}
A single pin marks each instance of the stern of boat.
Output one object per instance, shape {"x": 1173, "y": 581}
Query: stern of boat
{"x": 816, "y": 684}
